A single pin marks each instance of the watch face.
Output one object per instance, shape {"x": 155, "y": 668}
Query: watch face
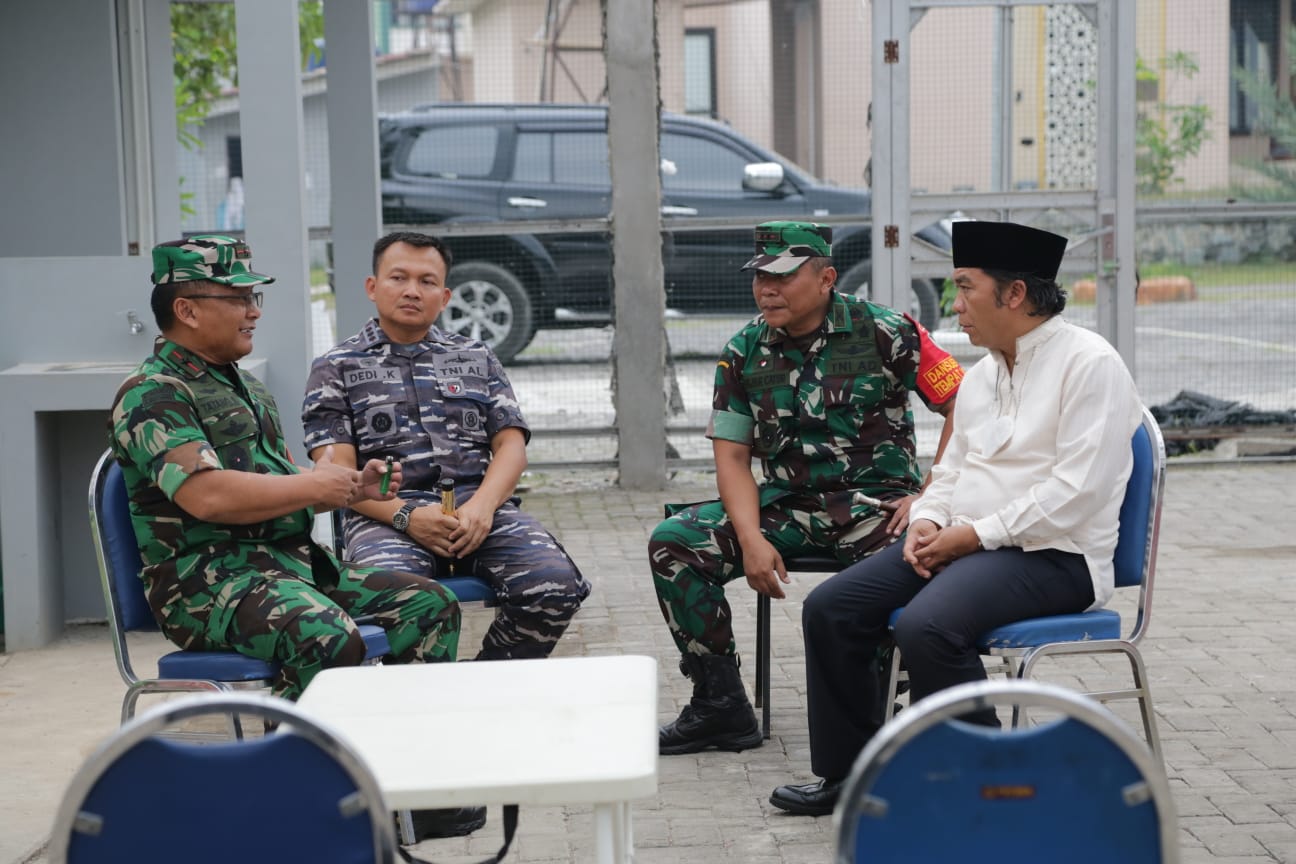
{"x": 401, "y": 520}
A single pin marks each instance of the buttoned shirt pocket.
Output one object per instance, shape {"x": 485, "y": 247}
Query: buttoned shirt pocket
{"x": 771, "y": 394}
{"x": 467, "y": 407}
{"x": 231, "y": 428}
{"x": 381, "y": 424}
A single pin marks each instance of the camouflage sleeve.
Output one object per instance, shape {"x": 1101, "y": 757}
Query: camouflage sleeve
{"x": 731, "y": 413}
{"x": 326, "y": 413}
{"x": 917, "y": 363}
{"x": 505, "y": 412}
{"x": 157, "y": 429}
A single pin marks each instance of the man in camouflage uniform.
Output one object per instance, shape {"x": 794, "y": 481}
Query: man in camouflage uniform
{"x": 818, "y": 387}
{"x": 441, "y": 405}
{"x": 222, "y": 514}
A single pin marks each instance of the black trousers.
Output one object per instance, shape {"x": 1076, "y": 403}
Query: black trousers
{"x": 845, "y": 629}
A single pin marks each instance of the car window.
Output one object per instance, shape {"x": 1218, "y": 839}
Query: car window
{"x": 691, "y": 163}
{"x": 454, "y": 152}
{"x": 569, "y": 158}
{"x": 534, "y": 160}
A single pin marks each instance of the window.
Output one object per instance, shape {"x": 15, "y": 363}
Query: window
{"x": 454, "y": 152}
{"x": 1253, "y": 50}
{"x": 699, "y": 71}
{"x": 569, "y": 158}
{"x": 700, "y": 164}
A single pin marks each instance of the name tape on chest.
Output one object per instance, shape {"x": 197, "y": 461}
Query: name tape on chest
{"x": 377, "y": 375}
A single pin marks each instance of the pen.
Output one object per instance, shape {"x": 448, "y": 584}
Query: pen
{"x": 386, "y": 478}
{"x": 861, "y": 498}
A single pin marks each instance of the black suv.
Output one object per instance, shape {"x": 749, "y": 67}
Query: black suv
{"x": 450, "y": 162}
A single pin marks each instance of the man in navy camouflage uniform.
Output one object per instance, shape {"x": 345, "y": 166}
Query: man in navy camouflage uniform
{"x": 441, "y": 405}
{"x": 818, "y": 387}
{"x": 222, "y": 514}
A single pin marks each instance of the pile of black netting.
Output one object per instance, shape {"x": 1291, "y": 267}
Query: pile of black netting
{"x": 1191, "y": 410}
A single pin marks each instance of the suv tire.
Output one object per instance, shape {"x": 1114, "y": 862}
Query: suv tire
{"x": 490, "y": 304}
{"x": 925, "y": 307}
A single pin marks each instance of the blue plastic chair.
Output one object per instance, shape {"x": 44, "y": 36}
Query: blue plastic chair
{"x": 1023, "y": 644}
{"x": 298, "y": 794}
{"x": 118, "y": 555}
{"x": 1077, "y": 789}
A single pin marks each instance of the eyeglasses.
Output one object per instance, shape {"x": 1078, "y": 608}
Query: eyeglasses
{"x": 256, "y": 298}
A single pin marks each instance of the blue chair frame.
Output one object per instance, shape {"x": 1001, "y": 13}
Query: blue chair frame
{"x": 1022, "y": 644}
{"x": 1078, "y": 788}
{"x": 117, "y": 552}
{"x": 298, "y": 794}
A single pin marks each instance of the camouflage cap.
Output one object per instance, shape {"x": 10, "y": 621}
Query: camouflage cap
{"x": 211, "y": 257}
{"x": 782, "y": 247}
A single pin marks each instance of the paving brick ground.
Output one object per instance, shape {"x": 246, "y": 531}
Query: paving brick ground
{"x": 1221, "y": 659}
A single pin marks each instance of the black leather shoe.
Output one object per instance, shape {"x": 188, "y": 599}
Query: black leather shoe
{"x": 448, "y": 822}
{"x": 809, "y": 799}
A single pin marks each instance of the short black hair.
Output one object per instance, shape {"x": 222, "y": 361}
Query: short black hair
{"x": 1046, "y": 296}
{"x": 164, "y": 296}
{"x": 411, "y": 238}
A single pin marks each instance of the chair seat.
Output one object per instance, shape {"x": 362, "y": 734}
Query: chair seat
{"x": 468, "y": 589}
{"x": 214, "y": 666}
{"x": 232, "y": 666}
{"x": 1033, "y": 632}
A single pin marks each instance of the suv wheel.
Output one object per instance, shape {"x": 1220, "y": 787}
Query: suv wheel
{"x": 925, "y": 307}
{"x": 489, "y": 304}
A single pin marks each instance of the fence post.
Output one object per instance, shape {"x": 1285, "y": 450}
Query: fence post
{"x": 630, "y": 44}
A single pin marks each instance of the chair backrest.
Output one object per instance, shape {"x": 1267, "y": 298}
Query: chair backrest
{"x": 1140, "y": 520}
{"x": 117, "y": 549}
{"x": 1141, "y": 508}
{"x": 1078, "y": 788}
{"x": 298, "y": 794}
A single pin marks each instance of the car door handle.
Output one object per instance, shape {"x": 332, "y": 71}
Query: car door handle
{"x": 671, "y": 210}
{"x": 517, "y": 201}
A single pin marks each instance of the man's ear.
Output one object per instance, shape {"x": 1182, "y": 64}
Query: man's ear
{"x": 186, "y": 312}
{"x": 371, "y": 285}
{"x": 1015, "y": 295}
{"x": 828, "y": 276}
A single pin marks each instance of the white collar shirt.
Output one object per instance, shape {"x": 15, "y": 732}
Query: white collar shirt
{"x": 1039, "y": 457}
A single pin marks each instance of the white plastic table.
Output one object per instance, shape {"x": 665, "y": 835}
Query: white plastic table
{"x": 580, "y": 730}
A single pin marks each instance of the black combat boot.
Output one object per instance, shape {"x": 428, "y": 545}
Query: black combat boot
{"x": 719, "y": 714}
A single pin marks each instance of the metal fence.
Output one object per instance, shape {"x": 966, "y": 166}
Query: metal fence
{"x": 766, "y": 114}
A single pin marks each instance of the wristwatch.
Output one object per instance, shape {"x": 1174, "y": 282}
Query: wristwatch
{"x": 400, "y": 521}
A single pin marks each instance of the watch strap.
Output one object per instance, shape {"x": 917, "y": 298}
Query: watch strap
{"x": 400, "y": 521}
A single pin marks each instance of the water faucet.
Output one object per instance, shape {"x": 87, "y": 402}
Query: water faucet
{"x": 136, "y": 325}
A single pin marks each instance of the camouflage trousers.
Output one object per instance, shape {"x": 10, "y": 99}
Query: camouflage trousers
{"x": 694, "y": 553}
{"x": 537, "y": 585}
{"x": 308, "y": 627}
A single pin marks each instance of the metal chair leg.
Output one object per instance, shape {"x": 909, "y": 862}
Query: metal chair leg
{"x": 763, "y": 661}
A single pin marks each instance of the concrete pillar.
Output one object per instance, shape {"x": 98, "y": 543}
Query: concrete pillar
{"x": 356, "y": 215}
{"x": 630, "y": 28}
{"x": 274, "y": 177}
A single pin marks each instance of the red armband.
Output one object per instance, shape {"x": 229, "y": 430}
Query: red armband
{"x": 939, "y": 374}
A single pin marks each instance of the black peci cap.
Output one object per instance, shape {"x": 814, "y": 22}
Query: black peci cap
{"x": 1008, "y": 246}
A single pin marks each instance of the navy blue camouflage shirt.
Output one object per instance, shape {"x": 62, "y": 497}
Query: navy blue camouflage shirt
{"x": 433, "y": 405}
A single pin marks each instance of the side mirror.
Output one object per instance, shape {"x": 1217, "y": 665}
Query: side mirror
{"x": 762, "y": 176}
